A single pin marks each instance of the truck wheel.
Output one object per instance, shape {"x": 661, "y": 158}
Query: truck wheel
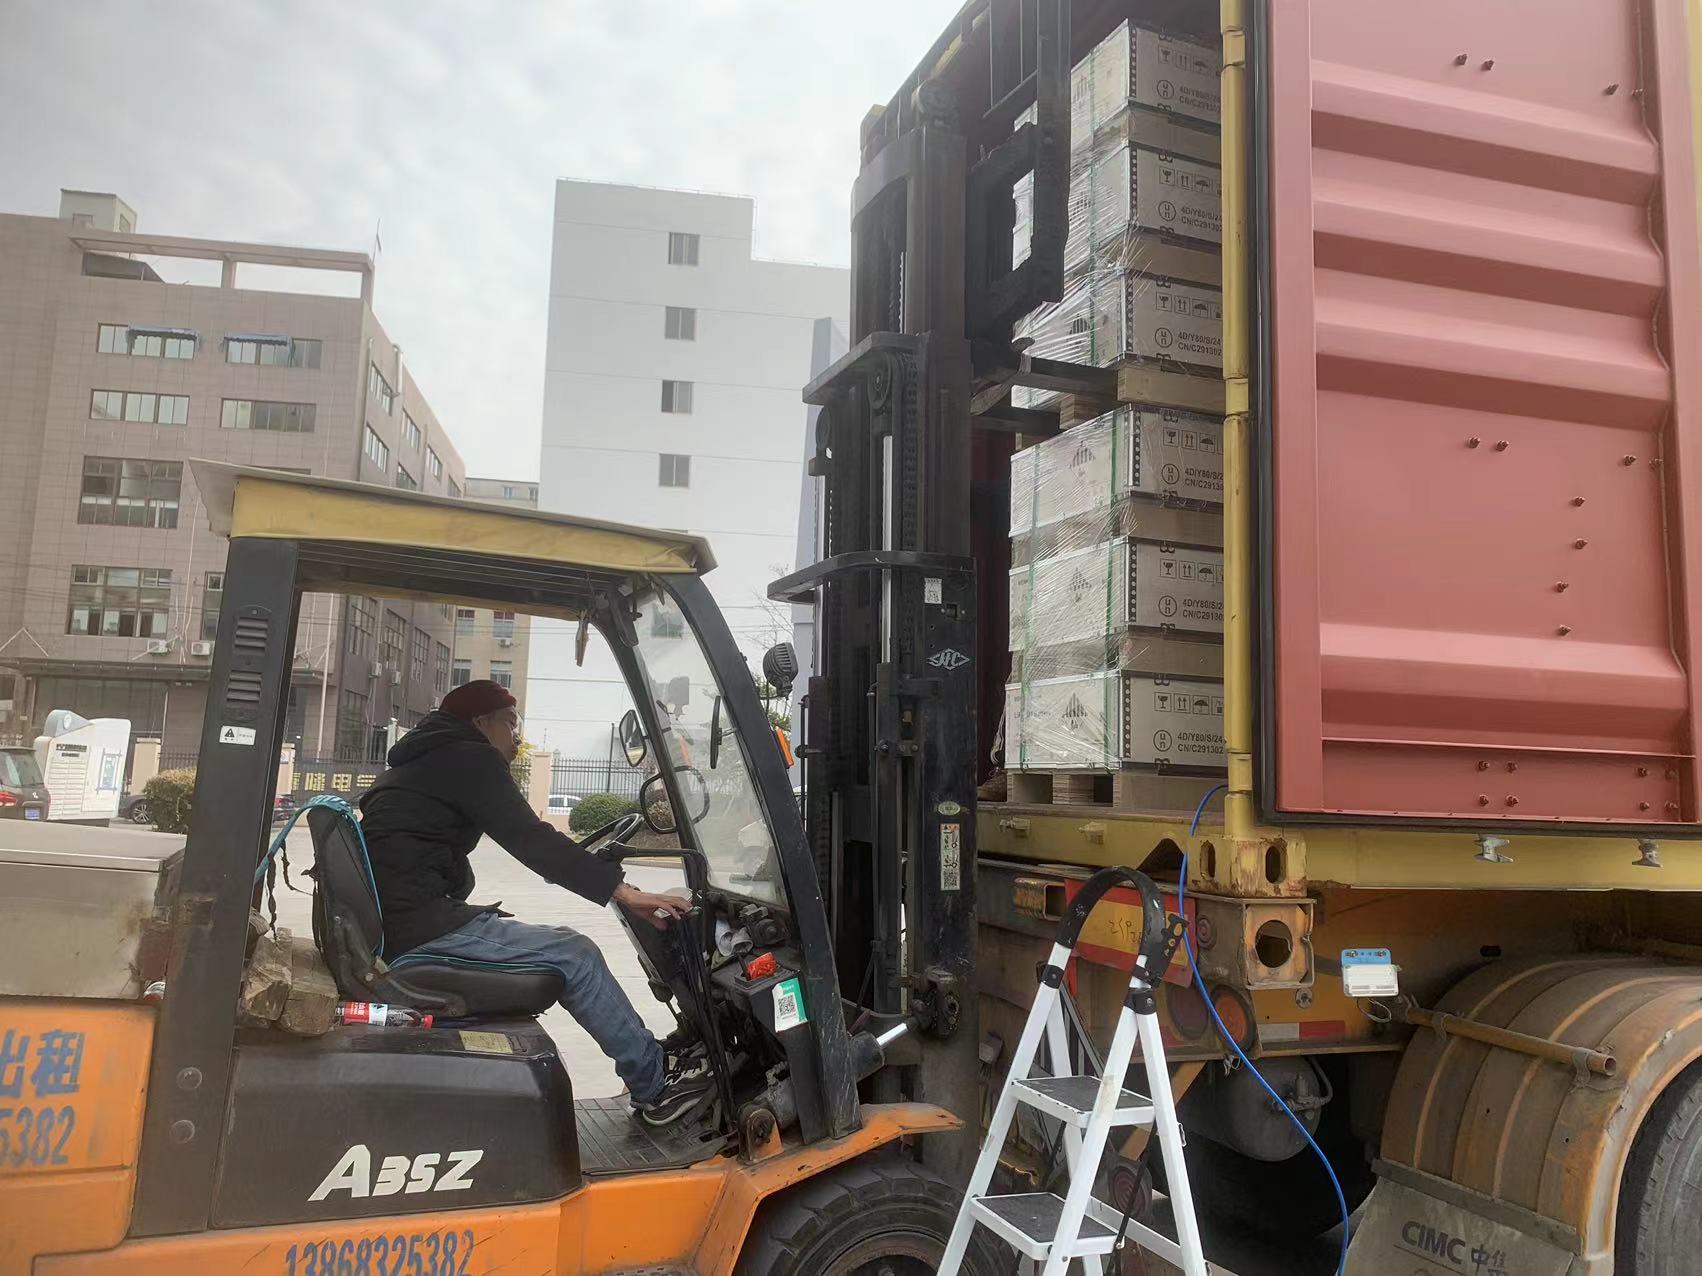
{"x": 1281, "y": 1200}
{"x": 1658, "y": 1231}
{"x": 874, "y": 1217}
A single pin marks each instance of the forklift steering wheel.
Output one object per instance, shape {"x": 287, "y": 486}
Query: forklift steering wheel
{"x": 616, "y": 830}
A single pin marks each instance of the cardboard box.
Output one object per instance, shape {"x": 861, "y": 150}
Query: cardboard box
{"x": 1134, "y": 188}
{"x": 1150, "y": 451}
{"x": 1122, "y": 314}
{"x": 1121, "y": 584}
{"x": 1150, "y": 69}
{"x": 1111, "y": 721}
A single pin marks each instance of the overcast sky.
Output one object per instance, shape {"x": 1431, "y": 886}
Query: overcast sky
{"x": 448, "y": 121}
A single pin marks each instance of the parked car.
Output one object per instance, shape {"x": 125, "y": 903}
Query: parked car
{"x": 133, "y": 807}
{"x": 23, "y": 794}
{"x": 562, "y": 803}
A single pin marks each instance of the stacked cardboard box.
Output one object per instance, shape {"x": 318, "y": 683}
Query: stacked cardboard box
{"x": 1141, "y": 265}
{"x": 1116, "y": 598}
{"x": 1117, "y": 590}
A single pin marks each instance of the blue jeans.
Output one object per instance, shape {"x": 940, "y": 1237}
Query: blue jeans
{"x": 590, "y": 992}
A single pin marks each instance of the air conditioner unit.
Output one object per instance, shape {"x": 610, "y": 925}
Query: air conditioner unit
{"x": 377, "y": 670}
{"x": 395, "y": 677}
{"x": 202, "y": 648}
{"x": 159, "y": 647}
{"x": 505, "y": 642}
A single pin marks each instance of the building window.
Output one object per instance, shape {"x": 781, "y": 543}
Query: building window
{"x": 119, "y": 492}
{"x": 676, "y": 396}
{"x": 508, "y": 491}
{"x": 502, "y": 673}
{"x": 260, "y": 414}
{"x": 395, "y": 635}
{"x": 434, "y": 464}
{"x": 682, "y": 248}
{"x": 376, "y": 450}
{"x": 464, "y": 622}
{"x": 419, "y": 652}
{"x": 119, "y": 602}
{"x": 461, "y": 674}
{"x": 410, "y": 431}
{"x": 133, "y": 405}
{"x": 404, "y": 479}
{"x": 379, "y": 391}
{"x": 440, "y": 672}
{"x": 502, "y": 625}
{"x": 454, "y": 488}
{"x": 675, "y": 470}
{"x": 667, "y": 624}
{"x": 279, "y": 352}
{"x": 112, "y": 338}
{"x": 363, "y": 614}
{"x": 354, "y": 728}
{"x": 212, "y": 602}
{"x": 679, "y": 323}
{"x": 532, "y": 493}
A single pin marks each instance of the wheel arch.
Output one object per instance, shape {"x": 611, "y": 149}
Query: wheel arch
{"x": 1560, "y": 1146}
{"x": 747, "y": 1188}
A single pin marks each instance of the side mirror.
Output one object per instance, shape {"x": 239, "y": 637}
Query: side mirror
{"x": 780, "y": 668}
{"x": 632, "y": 738}
{"x": 715, "y": 735}
{"x": 654, "y": 806}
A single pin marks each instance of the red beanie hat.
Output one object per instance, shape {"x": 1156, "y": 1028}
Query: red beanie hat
{"x": 475, "y": 699}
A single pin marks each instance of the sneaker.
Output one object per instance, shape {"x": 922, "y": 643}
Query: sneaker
{"x": 684, "y": 1091}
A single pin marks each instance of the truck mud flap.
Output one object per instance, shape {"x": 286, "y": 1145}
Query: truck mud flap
{"x": 1418, "y": 1225}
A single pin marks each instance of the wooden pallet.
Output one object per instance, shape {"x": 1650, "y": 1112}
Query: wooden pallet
{"x": 1120, "y": 792}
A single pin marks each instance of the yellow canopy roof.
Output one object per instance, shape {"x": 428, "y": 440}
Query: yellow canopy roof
{"x": 359, "y": 536}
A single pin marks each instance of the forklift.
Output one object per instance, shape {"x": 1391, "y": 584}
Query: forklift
{"x": 845, "y": 1046}
{"x": 178, "y": 1139}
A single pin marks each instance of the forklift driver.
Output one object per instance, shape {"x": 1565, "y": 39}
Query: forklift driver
{"x": 448, "y": 785}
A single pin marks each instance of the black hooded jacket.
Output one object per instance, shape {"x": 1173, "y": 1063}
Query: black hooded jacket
{"x": 446, "y": 787}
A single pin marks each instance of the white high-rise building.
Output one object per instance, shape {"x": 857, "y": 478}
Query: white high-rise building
{"x": 671, "y": 399}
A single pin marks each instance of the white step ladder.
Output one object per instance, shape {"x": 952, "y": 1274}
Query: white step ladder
{"x": 1051, "y": 1230}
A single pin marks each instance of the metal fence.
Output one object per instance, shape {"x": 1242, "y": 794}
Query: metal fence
{"x": 581, "y": 777}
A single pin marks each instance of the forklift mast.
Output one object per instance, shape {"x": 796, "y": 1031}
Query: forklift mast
{"x": 891, "y": 737}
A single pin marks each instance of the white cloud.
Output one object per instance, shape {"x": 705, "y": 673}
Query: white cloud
{"x": 311, "y": 122}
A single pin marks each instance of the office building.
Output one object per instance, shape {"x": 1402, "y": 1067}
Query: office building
{"x": 672, "y": 375}
{"x": 111, "y": 380}
{"x": 495, "y": 644}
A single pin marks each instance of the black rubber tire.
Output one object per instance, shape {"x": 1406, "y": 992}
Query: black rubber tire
{"x": 1283, "y": 1201}
{"x": 877, "y": 1210}
{"x": 139, "y": 813}
{"x": 1658, "y": 1231}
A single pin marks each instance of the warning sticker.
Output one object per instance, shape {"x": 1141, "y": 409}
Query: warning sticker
{"x": 486, "y": 1042}
{"x": 951, "y": 857}
{"x": 236, "y": 735}
{"x": 788, "y": 1005}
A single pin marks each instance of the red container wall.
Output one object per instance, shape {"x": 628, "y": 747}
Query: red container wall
{"x": 1483, "y": 415}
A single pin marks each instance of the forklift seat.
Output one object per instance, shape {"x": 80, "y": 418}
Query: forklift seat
{"x": 349, "y": 931}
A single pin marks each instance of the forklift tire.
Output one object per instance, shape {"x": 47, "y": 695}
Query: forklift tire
{"x": 873, "y": 1217}
{"x": 1658, "y": 1231}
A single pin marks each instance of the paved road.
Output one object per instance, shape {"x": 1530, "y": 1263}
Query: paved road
{"x": 502, "y": 878}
